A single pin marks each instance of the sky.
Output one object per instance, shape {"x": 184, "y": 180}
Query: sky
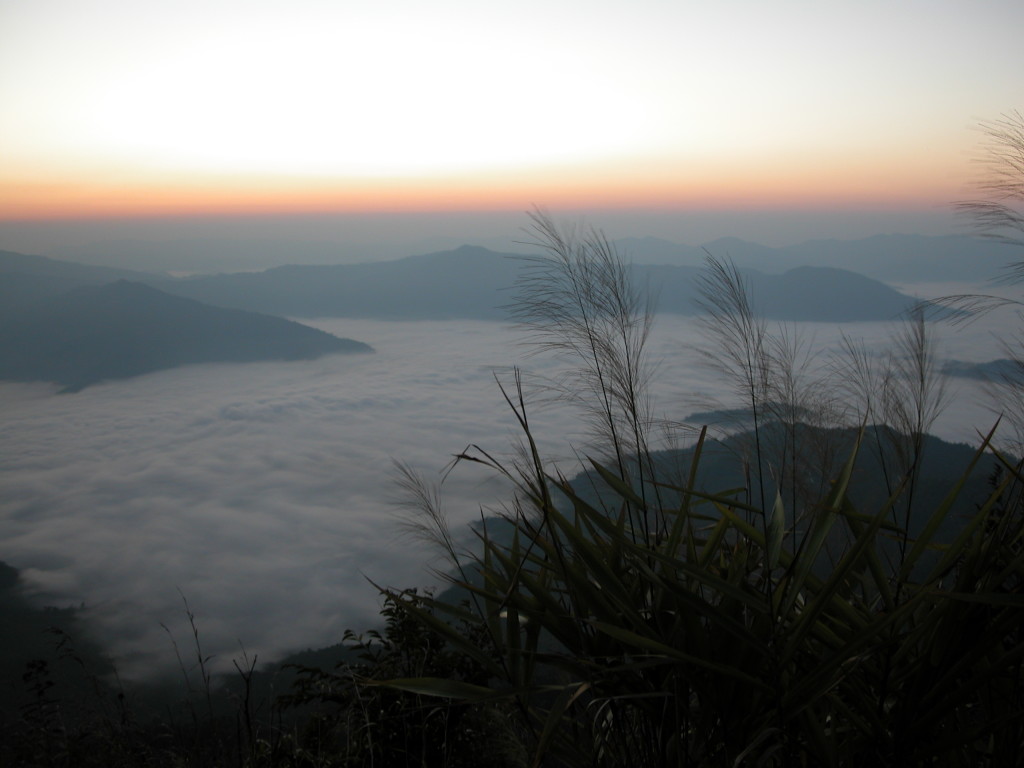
{"x": 115, "y": 111}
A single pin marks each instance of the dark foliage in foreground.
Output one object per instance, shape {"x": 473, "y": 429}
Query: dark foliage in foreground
{"x": 359, "y": 722}
{"x": 733, "y": 636}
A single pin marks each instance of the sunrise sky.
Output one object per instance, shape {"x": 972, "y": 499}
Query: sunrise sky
{"x": 115, "y": 108}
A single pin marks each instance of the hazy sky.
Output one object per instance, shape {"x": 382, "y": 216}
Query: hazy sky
{"x": 116, "y": 107}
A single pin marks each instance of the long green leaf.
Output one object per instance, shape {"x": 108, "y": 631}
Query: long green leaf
{"x": 562, "y": 702}
{"x": 776, "y": 531}
{"x": 956, "y": 550}
{"x": 936, "y": 519}
{"x": 823, "y": 599}
{"x": 650, "y": 645}
{"x": 618, "y": 485}
{"x": 810, "y": 547}
{"x": 438, "y": 686}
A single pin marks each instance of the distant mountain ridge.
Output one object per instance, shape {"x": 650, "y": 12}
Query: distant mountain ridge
{"x": 469, "y": 282}
{"x": 461, "y": 282}
{"x": 473, "y": 282}
{"x": 814, "y": 294}
{"x": 1002, "y": 369}
{"x": 896, "y": 258}
{"x": 26, "y": 278}
{"x": 892, "y": 259}
{"x": 23, "y": 263}
{"x": 125, "y": 329}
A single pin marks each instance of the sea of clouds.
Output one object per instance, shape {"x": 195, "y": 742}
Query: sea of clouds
{"x": 265, "y": 493}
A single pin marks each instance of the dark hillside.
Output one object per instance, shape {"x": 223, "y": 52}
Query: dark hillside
{"x": 125, "y": 329}
{"x": 724, "y": 464}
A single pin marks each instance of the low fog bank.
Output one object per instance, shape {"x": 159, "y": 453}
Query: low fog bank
{"x": 264, "y": 493}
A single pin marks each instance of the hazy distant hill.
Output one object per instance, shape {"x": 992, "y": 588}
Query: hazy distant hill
{"x": 993, "y": 370}
{"x": 889, "y": 258}
{"x": 25, "y": 279}
{"x": 464, "y": 283}
{"x": 827, "y": 294}
{"x": 23, "y": 263}
{"x": 125, "y": 329}
{"x": 473, "y": 282}
{"x": 803, "y": 294}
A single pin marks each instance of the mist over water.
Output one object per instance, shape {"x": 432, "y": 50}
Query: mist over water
{"x": 264, "y": 493}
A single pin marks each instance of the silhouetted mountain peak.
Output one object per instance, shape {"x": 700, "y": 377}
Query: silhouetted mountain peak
{"x": 472, "y": 250}
{"x": 464, "y": 254}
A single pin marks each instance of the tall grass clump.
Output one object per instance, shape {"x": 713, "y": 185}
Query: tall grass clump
{"x": 648, "y": 621}
{"x": 577, "y": 300}
{"x": 996, "y": 212}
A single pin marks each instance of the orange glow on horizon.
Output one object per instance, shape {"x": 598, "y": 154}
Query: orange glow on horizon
{"x": 766, "y": 186}
{"x": 258, "y": 109}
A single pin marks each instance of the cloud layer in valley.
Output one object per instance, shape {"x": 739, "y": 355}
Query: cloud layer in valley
{"x": 264, "y": 493}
